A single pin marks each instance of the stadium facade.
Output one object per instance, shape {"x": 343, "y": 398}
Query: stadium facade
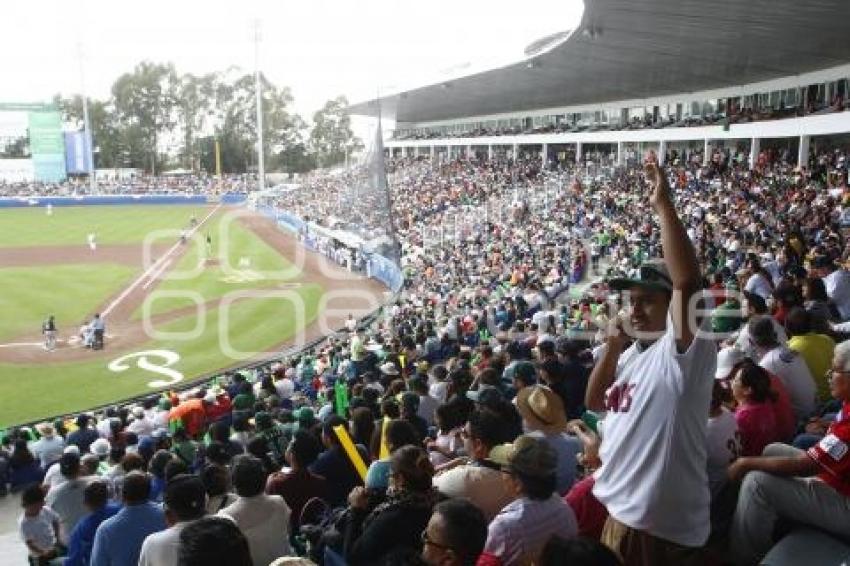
{"x": 644, "y": 74}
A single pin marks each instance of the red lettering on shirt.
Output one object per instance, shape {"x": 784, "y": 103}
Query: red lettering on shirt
{"x": 618, "y": 398}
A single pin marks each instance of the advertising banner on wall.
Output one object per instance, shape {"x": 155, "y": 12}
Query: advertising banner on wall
{"x": 77, "y": 153}
{"x": 47, "y": 145}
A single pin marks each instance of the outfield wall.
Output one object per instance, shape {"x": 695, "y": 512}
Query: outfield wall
{"x": 102, "y": 200}
{"x": 119, "y": 200}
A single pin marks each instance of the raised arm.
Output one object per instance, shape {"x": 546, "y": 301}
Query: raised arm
{"x": 679, "y": 254}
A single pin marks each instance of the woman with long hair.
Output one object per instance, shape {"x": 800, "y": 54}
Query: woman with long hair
{"x": 395, "y": 525}
{"x": 24, "y": 469}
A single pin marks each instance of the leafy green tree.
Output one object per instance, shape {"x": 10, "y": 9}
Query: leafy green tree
{"x": 147, "y": 98}
{"x": 105, "y": 132}
{"x": 154, "y": 103}
{"x": 195, "y": 107}
{"x": 331, "y": 137}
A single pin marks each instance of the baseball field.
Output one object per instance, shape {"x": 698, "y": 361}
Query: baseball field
{"x": 184, "y": 291}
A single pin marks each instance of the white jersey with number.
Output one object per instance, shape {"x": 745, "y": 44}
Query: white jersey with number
{"x": 724, "y": 445}
{"x": 653, "y": 476}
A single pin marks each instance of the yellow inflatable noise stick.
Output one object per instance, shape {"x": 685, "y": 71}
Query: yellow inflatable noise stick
{"x": 385, "y": 449}
{"x": 351, "y": 451}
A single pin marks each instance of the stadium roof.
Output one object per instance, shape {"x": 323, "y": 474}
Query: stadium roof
{"x": 635, "y": 49}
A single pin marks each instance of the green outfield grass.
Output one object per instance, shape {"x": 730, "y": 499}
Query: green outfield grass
{"x": 29, "y": 294}
{"x": 35, "y": 391}
{"x": 72, "y": 225}
{"x": 215, "y": 281}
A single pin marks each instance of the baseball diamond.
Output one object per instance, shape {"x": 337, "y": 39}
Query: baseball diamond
{"x": 47, "y": 267}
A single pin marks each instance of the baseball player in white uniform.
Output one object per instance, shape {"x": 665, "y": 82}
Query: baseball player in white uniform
{"x": 657, "y": 394}
{"x": 49, "y": 209}
{"x": 92, "y": 239}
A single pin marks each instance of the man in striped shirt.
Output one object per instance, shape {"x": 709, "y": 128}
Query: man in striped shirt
{"x": 519, "y": 532}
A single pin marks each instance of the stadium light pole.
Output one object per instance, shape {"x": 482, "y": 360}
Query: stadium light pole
{"x": 87, "y": 123}
{"x": 261, "y": 168}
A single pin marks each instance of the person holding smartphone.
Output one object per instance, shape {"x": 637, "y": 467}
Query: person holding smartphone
{"x": 656, "y": 394}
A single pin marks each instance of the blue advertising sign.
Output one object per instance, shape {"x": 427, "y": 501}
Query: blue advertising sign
{"x": 77, "y": 154}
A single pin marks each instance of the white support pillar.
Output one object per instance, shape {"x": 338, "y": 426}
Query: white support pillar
{"x": 579, "y": 156}
{"x": 755, "y": 148}
{"x": 706, "y": 158}
{"x": 544, "y": 154}
{"x": 490, "y": 152}
{"x": 433, "y": 152}
{"x": 662, "y": 152}
{"x": 621, "y": 158}
{"x": 515, "y": 152}
{"x": 803, "y": 151}
{"x": 469, "y": 154}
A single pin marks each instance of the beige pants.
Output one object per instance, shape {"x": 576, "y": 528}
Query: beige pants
{"x": 638, "y": 548}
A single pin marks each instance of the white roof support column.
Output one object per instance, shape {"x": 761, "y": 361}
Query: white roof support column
{"x": 803, "y": 151}
{"x": 755, "y": 148}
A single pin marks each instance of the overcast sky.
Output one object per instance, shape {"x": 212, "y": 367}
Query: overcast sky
{"x": 319, "y": 48}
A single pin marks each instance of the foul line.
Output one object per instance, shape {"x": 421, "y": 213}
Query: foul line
{"x": 155, "y": 276}
{"x": 155, "y": 266}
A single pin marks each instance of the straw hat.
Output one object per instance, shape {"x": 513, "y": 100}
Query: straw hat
{"x": 45, "y": 429}
{"x": 542, "y": 409}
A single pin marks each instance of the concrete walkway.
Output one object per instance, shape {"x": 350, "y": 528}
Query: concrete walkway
{"x": 12, "y": 549}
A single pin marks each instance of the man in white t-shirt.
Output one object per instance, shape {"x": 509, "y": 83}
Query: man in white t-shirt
{"x": 263, "y": 519}
{"x": 837, "y": 283}
{"x": 53, "y": 477}
{"x": 657, "y": 392}
{"x": 66, "y": 499}
{"x": 185, "y": 501}
{"x": 786, "y": 364}
{"x": 48, "y": 448}
{"x": 757, "y": 282}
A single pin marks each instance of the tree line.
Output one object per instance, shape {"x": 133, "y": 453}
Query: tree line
{"x": 157, "y": 118}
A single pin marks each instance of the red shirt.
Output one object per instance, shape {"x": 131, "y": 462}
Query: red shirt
{"x": 786, "y": 421}
{"x": 590, "y": 513}
{"x": 757, "y": 425}
{"x": 832, "y": 453}
{"x": 220, "y": 408}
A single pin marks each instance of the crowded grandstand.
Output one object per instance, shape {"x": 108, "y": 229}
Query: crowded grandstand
{"x": 624, "y": 342}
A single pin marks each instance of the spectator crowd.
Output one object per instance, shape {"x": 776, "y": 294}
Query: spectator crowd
{"x": 133, "y": 185}
{"x": 685, "y": 407}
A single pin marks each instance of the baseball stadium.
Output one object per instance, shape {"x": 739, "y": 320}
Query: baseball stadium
{"x": 590, "y": 305}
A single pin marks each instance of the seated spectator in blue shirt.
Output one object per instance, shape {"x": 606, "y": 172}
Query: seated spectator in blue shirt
{"x": 334, "y": 465}
{"x": 96, "y": 500}
{"x": 118, "y": 540}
